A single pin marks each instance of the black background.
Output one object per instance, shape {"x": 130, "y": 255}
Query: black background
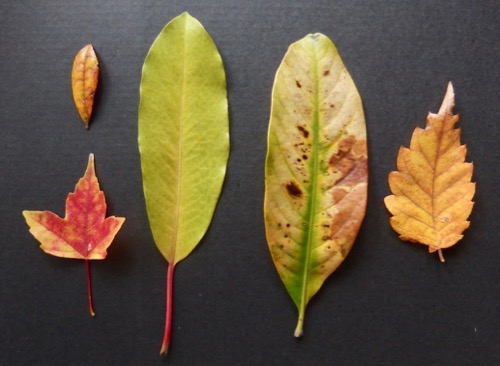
{"x": 390, "y": 303}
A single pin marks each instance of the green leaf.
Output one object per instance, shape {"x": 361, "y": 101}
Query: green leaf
{"x": 316, "y": 168}
{"x": 183, "y": 136}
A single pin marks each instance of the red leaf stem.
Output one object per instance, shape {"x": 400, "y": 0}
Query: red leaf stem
{"x": 168, "y": 311}
{"x": 89, "y": 287}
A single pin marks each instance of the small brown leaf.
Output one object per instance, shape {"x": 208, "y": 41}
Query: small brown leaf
{"x": 84, "y": 78}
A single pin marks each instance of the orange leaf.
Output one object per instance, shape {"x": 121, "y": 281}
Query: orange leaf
{"x": 85, "y": 232}
{"x": 84, "y": 78}
{"x": 432, "y": 189}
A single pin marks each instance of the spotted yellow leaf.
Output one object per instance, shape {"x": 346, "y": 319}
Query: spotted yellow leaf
{"x": 316, "y": 168}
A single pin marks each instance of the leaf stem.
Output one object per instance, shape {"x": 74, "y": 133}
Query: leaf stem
{"x": 440, "y": 253}
{"x": 299, "y": 330}
{"x": 168, "y": 311}
{"x": 89, "y": 287}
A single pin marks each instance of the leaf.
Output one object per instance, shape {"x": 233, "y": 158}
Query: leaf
{"x": 85, "y": 232}
{"x": 316, "y": 168}
{"x": 84, "y": 78}
{"x": 183, "y": 140}
{"x": 432, "y": 189}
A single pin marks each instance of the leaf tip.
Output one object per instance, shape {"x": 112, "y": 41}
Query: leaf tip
{"x": 448, "y": 100}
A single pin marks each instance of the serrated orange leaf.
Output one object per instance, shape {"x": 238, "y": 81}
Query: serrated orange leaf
{"x": 84, "y": 79}
{"x": 432, "y": 189}
{"x": 85, "y": 232}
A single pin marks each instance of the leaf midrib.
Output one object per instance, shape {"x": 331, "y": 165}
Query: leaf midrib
{"x": 311, "y": 210}
{"x": 175, "y": 231}
{"x": 439, "y": 133}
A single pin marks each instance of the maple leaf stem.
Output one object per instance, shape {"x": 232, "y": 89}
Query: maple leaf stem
{"x": 89, "y": 287}
{"x": 168, "y": 310}
{"x": 441, "y": 257}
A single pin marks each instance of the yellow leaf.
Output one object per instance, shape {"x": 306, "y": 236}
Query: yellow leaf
{"x": 432, "y": 189}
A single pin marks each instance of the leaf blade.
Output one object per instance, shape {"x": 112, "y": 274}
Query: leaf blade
{"x": 316, "y": 167}
{"x": 84, "y": 80}
{"x": 446, "y": 183}
{"x": 84, "y": 232}
{"x": 183, "y": 135}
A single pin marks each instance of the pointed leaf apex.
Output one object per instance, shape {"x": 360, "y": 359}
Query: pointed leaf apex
{"x": 448, "y": 101}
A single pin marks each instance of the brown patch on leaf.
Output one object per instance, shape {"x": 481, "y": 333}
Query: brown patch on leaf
{"x": 350, "y": 166}
{"x": 338, "y": 194}
{"x": 350, "y": 161}
{"x": 347, "y": 221}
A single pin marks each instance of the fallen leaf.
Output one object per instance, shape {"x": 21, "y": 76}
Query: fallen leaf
{"x": 84, "y": 78}
{"x": 85, "y": 232}
{"x": 432, "y": 189}
{"x": 183, "y": 140}
{"x": 316, "y": 168}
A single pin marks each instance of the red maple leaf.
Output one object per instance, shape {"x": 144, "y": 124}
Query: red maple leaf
{"x": 85, "y": 232}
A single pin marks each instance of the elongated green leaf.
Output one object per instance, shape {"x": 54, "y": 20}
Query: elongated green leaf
{"x": 316, "y": 168}
{"x": 183, "y": 136}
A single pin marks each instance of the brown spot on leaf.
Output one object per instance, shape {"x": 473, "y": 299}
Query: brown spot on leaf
{"x": 303, "y": 131}
{"x": 293, "y": 190}
{"x": 326, "y": 73}
{"x": 299, "y": 85}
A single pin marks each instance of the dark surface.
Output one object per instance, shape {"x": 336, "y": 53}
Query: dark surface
{"x": 390, "y": 303}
